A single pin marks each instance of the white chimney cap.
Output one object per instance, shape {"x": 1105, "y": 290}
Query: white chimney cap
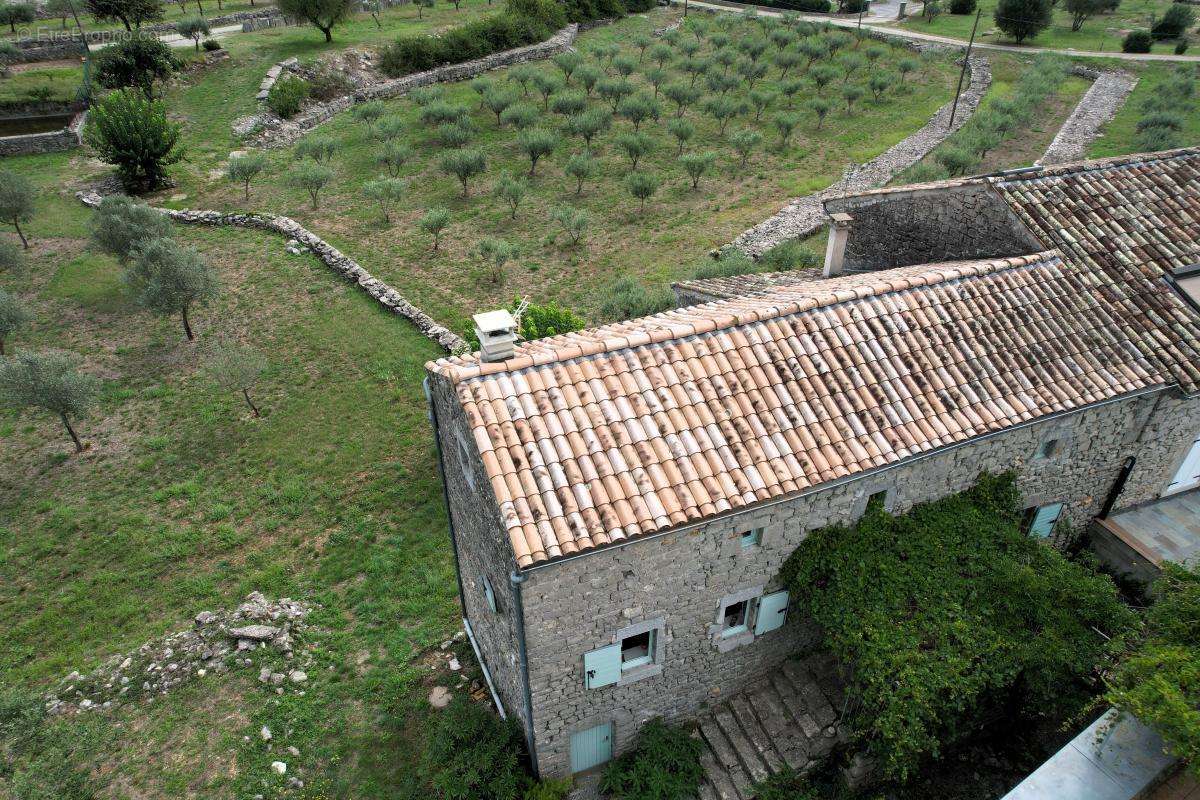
{"x": 495, "y": 321}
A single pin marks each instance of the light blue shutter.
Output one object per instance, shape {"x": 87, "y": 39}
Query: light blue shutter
{"x": 772, "y": 611}
{"x": 1044, "y": 519}
{"x": 489, "y": 594}
{"x": 602, "y": 667}
{"x": 591, "y": 748}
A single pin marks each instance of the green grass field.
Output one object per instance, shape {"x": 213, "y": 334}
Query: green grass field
{"x": 1102, "y": 33}
{"x": 1120, "y": 135}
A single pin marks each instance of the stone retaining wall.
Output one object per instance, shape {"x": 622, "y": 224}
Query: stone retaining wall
{"x": 805, "y": 215}
{"x": 276, "y": 132}
{"x": 333, "y": 258}
{"x": 1098, "y": 105}
{"x": 57, "y": 141}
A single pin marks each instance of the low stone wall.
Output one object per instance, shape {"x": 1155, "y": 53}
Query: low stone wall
{"x": 67, "y": 138}
{"x": 333, "y": 258}
{"x": 1098, "y": 105}
{"x": 275, "y": 132}
{"x": 35, "y": 50}
{"x": 805, "y": 215}
{"x": 272, "y": 76}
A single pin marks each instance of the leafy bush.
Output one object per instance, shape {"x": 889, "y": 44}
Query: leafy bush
{"x": 1023, "y": 19}
{"x": 629, "y": 299}
{"x": 327, "y": 83}
{"x": 1138, "y": 41}
{"x": 1159, "y": 680}
{"x": 131, "y": 131}
{"x": 789, "y": 255}
{"x": 211, "y": 45}
{"x": 1175, "y": 22}
{"x": 951, "y": 613}
{"x": 962, "y": 6}
{"x": 139, "y": 61}
{"x": 853, "y": 6}
{"x": 476, "y": 39}
{"x": 471, "y": 754}
{"x": 664, "y": 764}
{"x": 287, "y": 96}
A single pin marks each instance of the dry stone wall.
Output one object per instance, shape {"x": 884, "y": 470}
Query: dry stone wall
{"x": 272, "y": 131}
{"x": 1098, "y": 105}
{"x": 804, "y": 216}
{"x": 333, "y": 258}
{"x": 578, "y": 605}
{"x": 67, "y": 138}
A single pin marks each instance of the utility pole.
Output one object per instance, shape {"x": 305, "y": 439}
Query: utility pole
{"x": 963, "y": 74}
{"x": 685, "y": 4}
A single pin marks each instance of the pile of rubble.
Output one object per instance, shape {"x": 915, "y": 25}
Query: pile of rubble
{"x": 218, "y": 641}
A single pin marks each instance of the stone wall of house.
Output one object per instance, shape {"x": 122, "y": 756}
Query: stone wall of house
{"x": 483, "y": 549}
{"x": 921, "y": 226}
{"x": 576, "y": 606}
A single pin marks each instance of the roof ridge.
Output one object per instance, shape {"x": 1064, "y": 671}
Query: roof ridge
{"x": 568, "y": 346}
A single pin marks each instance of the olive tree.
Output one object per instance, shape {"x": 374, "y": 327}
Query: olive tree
{"x": 320, "y": 149}
{"x": 643, "y": 186}
{"x": 580, "y": 166}
{"x": 321, "y": 14}
{"x": 634, "y": 146}
{"x": 536, "y": 144}
{"x": 393, "y": 156}
{"x": 311, "y": 177}
{"x": 14, "y": 316}
{"x": 121, "y": 225}
{"x": 512, "y": 191}
{"x": 496, "y": 253}
{"x": 433, "y": 222}
{"x": 17, "y": 202}
{"x": 49, "y": 381}
{"x": 784, "y": 124}
{"x": 464, "y": 165}
{"x": 130, "y": 13}
{"x": 237, "y": 368}
{"x": 386, "y": 192}
{"x": 589, "y": 125}
{"x": 167, "y": 278}
{"x": 745, "y": 142}
{"x": 193, "y": 29}
{"x": 245, "y": 168}
{"x": 12, "y": 257}
{"x": 574, "y": 222}
{"x": 683, "y": 131}
{"x": 696, "y": 165}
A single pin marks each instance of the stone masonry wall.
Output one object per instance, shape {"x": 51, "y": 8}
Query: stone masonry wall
{"x": 67, "y": 138}
{"x": 914, "y": 227}
{"x": 576, "y": 606}
{"x": 483, "y": 549}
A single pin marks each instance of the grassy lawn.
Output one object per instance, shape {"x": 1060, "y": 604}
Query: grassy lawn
{"x": 1120, "y": 135}
{"x": 1101, "y": 33}
{"x": 184, "y": 503}
{"x": 60, "y": 83}
{"x": 677, "y": 226}
{"x": 172, "y": 12}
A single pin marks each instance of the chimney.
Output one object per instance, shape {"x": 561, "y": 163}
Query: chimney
{"x": 497, "y": 332}
{"x": 835, "y": 252}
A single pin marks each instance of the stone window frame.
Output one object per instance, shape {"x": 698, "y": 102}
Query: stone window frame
{"x": 634, "y": 674}
{"x": 724, "y": 643}
{"x": 869, "y": 488}
{"x": 731, "y": 531}
{"x": 465, "y": 460}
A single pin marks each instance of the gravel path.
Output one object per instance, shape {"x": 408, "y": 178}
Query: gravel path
{"x": 1095, "y": 108}
{"x": 805, "y": 215}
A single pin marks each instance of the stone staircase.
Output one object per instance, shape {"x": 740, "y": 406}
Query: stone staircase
{"x": 788, "y": 720}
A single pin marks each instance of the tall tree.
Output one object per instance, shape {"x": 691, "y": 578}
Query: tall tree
{"x": 50, "y": 381}
{"x": 140, "y": 62}
{"x": 1023, "y": 19}
{"x": 121, "y": 225}
{"x": 167, "y": 278}
{"x": 17, "y": 201}
{"x": 130, "y": 13}
{"x": 321, "y": 14}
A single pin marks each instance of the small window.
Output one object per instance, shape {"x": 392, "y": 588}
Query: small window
{"x": 1047, "y": 449}
{"x": 877, "y": 501}
{"x": 489, "y": 594}
{"x": 637, "y": 650}
{"x": 736, "y": 619}
{"x": 464, "y": 462}
{"x": 1041, "y": 519}
{"x": 751, "y": 537}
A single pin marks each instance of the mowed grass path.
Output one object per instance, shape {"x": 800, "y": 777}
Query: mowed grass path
{"x": 183, "y": 503}
{"x": 677, "y": 226}
{"x": 1101, "y": 33}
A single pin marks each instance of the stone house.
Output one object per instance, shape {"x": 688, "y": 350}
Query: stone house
{"x": 621, "y": 499}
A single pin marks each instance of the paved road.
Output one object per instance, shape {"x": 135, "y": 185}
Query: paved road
{"x": 175, "y": 40}
{"x": 928, "y": 37}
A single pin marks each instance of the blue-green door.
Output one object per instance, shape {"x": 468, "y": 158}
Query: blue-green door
{"x": 591, "y": 748}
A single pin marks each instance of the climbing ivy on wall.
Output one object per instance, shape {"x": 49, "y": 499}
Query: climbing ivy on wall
{"x": 949, "y": 615}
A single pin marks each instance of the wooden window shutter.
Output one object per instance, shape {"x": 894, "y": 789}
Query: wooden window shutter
{"x": 772, "y": 611}
{"x": 602, "y": 667}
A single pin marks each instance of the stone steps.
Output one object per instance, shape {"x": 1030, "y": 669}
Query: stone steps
{"x": 788, "y": 720}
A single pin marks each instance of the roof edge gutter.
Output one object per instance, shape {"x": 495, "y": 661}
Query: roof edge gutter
{"x": 821, "y": 487}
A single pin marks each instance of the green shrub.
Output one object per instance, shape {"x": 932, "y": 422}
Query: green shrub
{"x": 664, "y": 764}
{"x": 1138, "y": 41}
{"x": 472, "y": 754}
{"x": 211, "y": 45}
{"x": 140, "y": 61}
{"x": 327, "y": 83}
{"x": 504, "y": 31}
{"x": 1023, "y": 19}
{"x": 962, "y": 6}
{"x": 131, "y": 131}
{"x": 1175, "y": 22}
{"x": 1159, "y": 680}
{"x": 727, "y": 264}
{"x": 789, "y": 255}
{"x": 287, "y": 96}
{"x": 951, "y": 613}
{"x": 629, "y": 299}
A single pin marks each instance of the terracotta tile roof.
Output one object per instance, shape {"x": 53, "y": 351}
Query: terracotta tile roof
{"x": 602, "y": 435}
{"x": 740, "y": 285}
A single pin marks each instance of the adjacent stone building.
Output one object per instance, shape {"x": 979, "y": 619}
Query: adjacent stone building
{"x": 621, "y": 498}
